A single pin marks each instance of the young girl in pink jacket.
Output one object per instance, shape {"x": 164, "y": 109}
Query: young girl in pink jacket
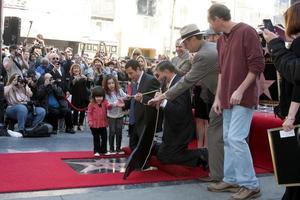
{"x": 97, "y": 119}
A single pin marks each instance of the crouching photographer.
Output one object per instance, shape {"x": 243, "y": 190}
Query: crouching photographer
{"x": 51, "y": 96}
{"x": 20, "y": 108}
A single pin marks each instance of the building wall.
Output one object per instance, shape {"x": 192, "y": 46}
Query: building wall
{"x": 118, "y": 23}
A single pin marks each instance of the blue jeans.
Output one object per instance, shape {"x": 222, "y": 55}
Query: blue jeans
{"x": 20, "y": 113}
{"x": 238, "y": 165}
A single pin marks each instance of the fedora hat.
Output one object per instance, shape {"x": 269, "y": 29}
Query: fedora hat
{"x": 189, "y": 31}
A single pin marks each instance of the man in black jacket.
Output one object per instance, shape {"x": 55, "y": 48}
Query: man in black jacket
{"x": 144, "y": 115}
{"x": 178, "y": 129}
{"x": 51, "y": 96}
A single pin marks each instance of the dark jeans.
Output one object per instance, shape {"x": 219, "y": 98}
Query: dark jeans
{"x": 99, "y": 134}
{"x": 81, "y": 117}
{"x": 115, "y": 129}
{"x": 54, "y": 114}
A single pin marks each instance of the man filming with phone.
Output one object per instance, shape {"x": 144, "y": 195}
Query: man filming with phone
{"x": 15, "y": 62}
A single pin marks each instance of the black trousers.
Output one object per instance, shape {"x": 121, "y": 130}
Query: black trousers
{"x": 133, "y": 136}
{"x": 81, "y": 117}
{"x": 291, "y": 193}
{"x": 100, "y": 139}
{"x": 179, "y": 154}
{"x": 54, "y": 114}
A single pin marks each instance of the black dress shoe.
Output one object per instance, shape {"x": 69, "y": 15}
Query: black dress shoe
{"x": 203, "y": 160}
{"x": 23, "y": 132}
{"x": 70, "y": 130}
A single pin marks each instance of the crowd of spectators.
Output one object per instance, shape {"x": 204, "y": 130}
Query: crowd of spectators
{"x": 57, "y": 82}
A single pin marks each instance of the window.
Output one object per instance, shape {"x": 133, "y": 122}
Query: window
{"x": 146, "y": 7}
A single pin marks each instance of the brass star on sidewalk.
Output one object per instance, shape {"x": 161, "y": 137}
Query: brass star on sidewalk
{"x": 102, "y": 165}
{"x": 264, "y": 86}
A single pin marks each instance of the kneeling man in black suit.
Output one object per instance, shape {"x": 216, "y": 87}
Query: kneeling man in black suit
{"x": 178, "y": 125}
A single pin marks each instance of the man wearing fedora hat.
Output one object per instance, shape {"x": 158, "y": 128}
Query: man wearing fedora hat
{"x": 241, "y": 63}
{"x": 204, "y": 72}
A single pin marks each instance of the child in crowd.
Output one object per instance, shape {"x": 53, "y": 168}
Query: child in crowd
{"x": 97, "y": 119}
{"x": 114, "y": 96}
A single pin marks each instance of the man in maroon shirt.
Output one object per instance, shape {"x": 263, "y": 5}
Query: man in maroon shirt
{"x": 241, "y": 62}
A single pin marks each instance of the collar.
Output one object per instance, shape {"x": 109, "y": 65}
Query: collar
{"x": 139, "y": 80}
{"x": 171, "y": 80}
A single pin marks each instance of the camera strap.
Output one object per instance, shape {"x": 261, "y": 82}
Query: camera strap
{"x": 18, "y": 65}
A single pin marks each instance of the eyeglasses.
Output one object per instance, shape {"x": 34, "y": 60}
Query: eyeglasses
{"x": 55, "y": 58}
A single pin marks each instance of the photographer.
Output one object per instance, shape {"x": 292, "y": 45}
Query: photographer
{"x": 32, "y": 82}
{"x": 15, "y": 62}
{"x": 52, "y": 98}
{"x": 20, "y": 108}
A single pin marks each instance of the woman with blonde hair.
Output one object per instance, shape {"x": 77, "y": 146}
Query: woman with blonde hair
{"x": 143, "y": 64}
{"x": 80, "y": 95}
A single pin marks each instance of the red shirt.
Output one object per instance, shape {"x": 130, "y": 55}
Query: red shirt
{"x": 239, "y": 52}
{"x": 97, "y": 115}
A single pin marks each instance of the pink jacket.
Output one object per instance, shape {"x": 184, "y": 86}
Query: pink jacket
{"x": 97, "y": 116}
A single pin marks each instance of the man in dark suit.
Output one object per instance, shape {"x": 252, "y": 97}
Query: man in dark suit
{"x": 144, "y": 115}
{"x": 59, "y": 76}
{"x": 178, "y": 129}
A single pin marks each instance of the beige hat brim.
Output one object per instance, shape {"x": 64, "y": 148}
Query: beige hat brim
{"x": 199, "y": 33}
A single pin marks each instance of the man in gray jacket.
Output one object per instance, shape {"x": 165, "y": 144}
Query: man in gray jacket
{"x": 182, "y": 60}
{"x": 204, "y": 71}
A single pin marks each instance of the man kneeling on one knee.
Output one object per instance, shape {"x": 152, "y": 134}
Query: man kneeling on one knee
{"x": 178, "y": 127}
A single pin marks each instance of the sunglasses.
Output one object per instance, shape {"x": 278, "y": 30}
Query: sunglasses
{"x": 55, "y": 58}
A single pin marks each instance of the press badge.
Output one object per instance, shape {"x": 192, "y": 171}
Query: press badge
{"x": 286, "y": 134}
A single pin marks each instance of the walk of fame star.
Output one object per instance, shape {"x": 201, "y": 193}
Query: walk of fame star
{"x": 95, "y": 166}
{"x": 264, "y": 86}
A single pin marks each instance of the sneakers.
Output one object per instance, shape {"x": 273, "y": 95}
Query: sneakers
{"x": 14, "y": 133}
{"x": 223, "y": 187}
{"x": 97, "y": 154}
{"x": 80, "y": 128}
{"x": 246, "y": 193}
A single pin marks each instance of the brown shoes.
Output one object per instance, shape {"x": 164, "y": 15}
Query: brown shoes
{"x": 246, "y": 193}
{"x": 207, "y": 179}
{"x": 223, "y": 187}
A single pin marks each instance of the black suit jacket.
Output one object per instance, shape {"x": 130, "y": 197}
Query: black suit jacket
{"x": 61, "y": 79}
{"x": 144, "y": 114}
{"x": 178, "y": 119}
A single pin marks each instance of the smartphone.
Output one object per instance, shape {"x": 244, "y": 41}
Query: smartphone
{"x": 280, "y": 31}
{"x": 268, "y": 25}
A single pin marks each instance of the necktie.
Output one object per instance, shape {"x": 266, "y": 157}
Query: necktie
{"x": 132, "y": 102}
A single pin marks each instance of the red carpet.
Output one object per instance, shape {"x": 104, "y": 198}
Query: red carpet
{"x": 47, "y": 171}
{"x": 258, "y": 139}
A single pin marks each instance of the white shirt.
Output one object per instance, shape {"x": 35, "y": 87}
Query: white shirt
{"x": 139, "y": 80}
{"x": 165, "y": 101}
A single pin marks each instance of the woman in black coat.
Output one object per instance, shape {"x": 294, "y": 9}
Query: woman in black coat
{"x": 287, "y": 62}
{"x": 80, "y": 95}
